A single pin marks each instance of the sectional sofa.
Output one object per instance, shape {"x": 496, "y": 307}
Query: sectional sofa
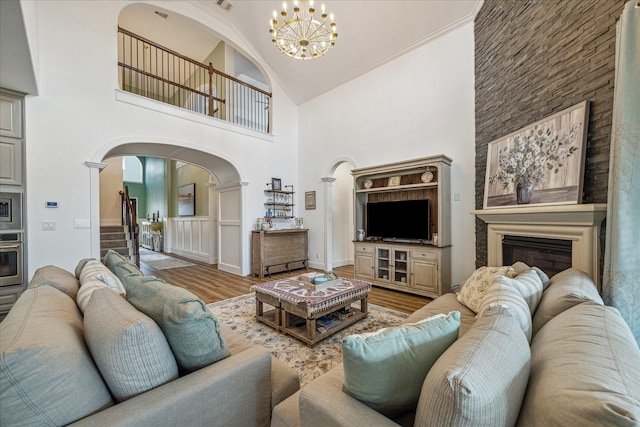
{"x": 574, "y": 362}
{"x": 154, "y": 356}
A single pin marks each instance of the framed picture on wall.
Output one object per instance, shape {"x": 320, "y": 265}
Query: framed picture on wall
{"x": 540, "y": 164}
{"x": 276, "y": 184}
{"x": 310, "y": 200}
{"x": 187, "y": 200}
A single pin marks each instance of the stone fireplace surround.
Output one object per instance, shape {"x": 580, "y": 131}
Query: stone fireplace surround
{"x": 578, "y": 223}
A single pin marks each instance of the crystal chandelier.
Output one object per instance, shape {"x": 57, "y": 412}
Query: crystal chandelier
{"x": 303, "y": 36}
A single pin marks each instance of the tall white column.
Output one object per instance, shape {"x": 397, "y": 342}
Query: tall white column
{"x": 328, "y": 222}
{"x": 94, "y": 206}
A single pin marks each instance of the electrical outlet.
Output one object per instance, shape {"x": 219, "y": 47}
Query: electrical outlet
{"x": 317, "y": 255}
{"x": 456, "y": 197}
{"x": 48, "y": 225}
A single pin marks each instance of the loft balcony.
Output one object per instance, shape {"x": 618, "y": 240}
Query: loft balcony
{"x": 157, "y": 72}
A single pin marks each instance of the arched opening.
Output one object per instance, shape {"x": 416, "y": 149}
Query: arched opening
{"x": 178, "y": 61}
{"x": 339, "y": 224}
{"x": 198, "y": 236}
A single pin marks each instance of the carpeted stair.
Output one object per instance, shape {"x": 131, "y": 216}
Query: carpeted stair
{"x": 115, "y": 238}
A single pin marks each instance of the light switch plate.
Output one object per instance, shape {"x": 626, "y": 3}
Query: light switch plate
{"x": 48, "y": 225}
{"x": 82, "y": 223}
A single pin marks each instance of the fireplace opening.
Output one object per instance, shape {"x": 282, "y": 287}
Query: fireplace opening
{"x": 550, "y": 255}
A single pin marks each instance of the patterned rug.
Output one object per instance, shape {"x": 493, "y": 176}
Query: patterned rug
{"x": 239, "y": 314}
{"x": 161, "y": 262}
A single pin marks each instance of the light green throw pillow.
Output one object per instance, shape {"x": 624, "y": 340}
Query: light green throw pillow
{"x": 129, "y": 348}
{"x": 385, "y": 369}
{"x": 120, "y": 265}
{"x": 191, "y": 330}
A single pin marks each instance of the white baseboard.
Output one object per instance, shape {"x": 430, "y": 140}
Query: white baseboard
{"x": 233, "y": 269}
{"x": 204, "y": 258}
{"x": 342, "y": 262}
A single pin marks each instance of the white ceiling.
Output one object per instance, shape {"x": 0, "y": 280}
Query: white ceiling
{"x": 370, "y": 34}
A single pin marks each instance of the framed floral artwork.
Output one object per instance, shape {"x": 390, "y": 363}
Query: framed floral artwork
{"x": 540, "y": 164}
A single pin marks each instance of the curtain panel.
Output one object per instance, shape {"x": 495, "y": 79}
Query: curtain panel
{"x": 621, "y": 281}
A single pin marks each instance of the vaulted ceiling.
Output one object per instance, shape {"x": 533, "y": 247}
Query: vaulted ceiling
{"x": 371, "y": 33}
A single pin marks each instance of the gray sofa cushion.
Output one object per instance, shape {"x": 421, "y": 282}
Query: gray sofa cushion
{"x": 585, "y": 371}
{"x": 442, "y": 305}
{"x": 480, "y": 380}
{"x": 503, "y": 294}
{"x": 57, "y": 277}
{"x": 46, "y": 371}
{"x": 191, "y": 330}
{"x": 566, "y": 289}
{"x": 129, "y": 348}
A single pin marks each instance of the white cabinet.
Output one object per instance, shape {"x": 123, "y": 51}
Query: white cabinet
{"x": 10, "y": 161}
{"x": 416, "y": 264}
{"x": 392, "y": 265}
{"x": 364, "y": 261}
{"x": 10, "y": 116}
{"x": 418, "y": 269}
{"x": 11, "y": 140}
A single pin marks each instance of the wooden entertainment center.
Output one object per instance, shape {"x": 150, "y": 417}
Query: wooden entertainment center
{"x": 419, "y": 266}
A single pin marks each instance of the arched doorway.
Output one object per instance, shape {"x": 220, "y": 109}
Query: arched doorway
{"x": 339, "y": 224}
{"x": 226, "y": 195}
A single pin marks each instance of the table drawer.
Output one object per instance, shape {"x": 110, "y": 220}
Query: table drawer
{"x": 365, "y": 248}
{"x": 424, "y": 255}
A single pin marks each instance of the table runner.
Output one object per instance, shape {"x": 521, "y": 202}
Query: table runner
{"x": 315, "y": 301}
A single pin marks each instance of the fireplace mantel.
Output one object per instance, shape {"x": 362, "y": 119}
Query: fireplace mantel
{"x": 578, "y": 223}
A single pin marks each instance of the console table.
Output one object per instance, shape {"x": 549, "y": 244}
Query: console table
{"x": 278, "y": 250}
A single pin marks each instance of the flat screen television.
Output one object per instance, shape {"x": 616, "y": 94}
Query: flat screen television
{"x": 400, "y": 220}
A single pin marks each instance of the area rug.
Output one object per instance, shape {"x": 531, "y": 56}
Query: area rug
{"x": 239, "y": 314}
{"x": 160, "y": 261}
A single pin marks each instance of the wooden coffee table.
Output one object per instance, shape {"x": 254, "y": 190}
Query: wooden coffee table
{"x": 296, "y": 309}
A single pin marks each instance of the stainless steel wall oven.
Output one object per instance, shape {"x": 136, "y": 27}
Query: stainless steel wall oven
{"x": 10, "y": 259}
{"x": 10, "y": 211}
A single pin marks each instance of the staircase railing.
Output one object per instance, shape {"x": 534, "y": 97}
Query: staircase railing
{"x": 130, "y": 221}
{"x": 157, "y": 72}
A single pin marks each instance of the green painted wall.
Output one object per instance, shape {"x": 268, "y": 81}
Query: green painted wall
{"x": 156, "y": 183}
{"x": 139, "y": 190}
{"x": 188, "y": 174}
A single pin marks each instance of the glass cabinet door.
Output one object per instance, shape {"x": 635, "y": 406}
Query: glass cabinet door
{"x": 400, "y": 262}
{"x": 383, "y": 269}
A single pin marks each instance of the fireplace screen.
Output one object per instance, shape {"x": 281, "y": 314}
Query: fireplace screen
{"x": 550, "y": 255}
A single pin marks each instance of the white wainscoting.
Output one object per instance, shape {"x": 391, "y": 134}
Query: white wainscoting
{"x": 191, "y": 237}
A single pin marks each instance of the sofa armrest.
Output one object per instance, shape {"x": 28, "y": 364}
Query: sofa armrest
{"x": 323, "y": 403}
{"x": 235, "y": 391}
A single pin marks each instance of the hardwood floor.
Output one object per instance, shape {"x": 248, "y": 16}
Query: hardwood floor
{"x": 211, "y": 285}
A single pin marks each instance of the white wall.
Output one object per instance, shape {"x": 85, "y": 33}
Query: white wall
{"x": 342, "y": 216}
{"x": 418, "y": 105}
{"x": 77, "y": 118}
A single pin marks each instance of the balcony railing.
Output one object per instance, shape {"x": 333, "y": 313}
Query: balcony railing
{"x": 154, "y": 71}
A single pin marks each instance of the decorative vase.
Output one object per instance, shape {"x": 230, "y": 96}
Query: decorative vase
{"x": 524, "y": 191}
{"x": 360, "y": 235}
